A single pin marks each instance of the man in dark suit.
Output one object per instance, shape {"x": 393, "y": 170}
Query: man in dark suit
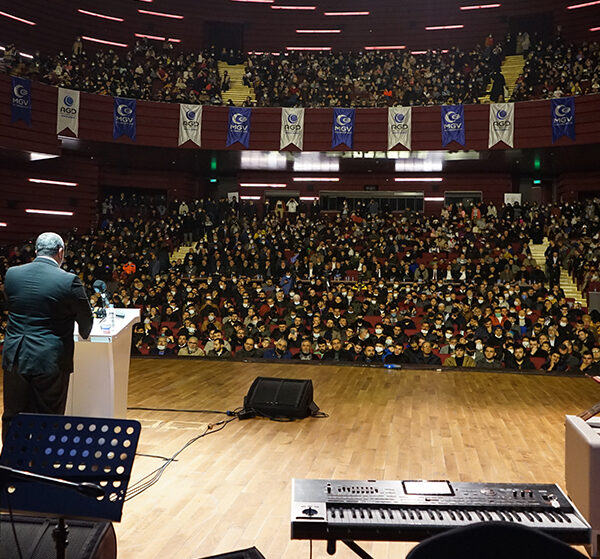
{"x": 43, "y": 302}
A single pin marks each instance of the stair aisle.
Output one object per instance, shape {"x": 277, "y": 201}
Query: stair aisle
{"x": 238, "y": 92}
{"x": 566, "y": 283}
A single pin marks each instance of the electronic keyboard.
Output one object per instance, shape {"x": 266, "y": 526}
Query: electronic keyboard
{"x": 413, "y": 510}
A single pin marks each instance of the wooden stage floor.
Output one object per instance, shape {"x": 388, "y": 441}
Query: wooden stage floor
{"x": 231, "y": 490}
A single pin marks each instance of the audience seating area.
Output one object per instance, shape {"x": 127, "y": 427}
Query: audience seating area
{"x": 458, "y": 289}
{"x": 162, "y": 72}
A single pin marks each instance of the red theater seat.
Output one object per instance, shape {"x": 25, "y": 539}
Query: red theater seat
{"x": 538, "y": 362}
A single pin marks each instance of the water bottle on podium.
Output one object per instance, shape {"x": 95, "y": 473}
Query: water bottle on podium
{"x": 107, "y": 324}
{"x": 110, "y": 316}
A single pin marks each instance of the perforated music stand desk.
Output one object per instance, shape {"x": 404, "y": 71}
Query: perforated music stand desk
{"x": 76, "y": 449}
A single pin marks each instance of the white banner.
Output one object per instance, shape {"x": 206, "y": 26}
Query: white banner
{"x": 190, "y": 124}
{"x": 292, "y": 128}
{"x": 67, "y": 111}
{"x": 399, "y": 126}
{"x": 502, "y": 124}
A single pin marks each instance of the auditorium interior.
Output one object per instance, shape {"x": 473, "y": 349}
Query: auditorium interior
{"x": 345, "y": 260}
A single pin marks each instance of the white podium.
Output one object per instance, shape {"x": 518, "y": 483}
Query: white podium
{"x": 98, "y": 385}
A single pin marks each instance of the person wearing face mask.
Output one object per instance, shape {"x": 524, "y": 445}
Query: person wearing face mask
{"x": 211, "y": 320}
{"x": 450, "y": 346}
{"x": 564, "y": 329}
{"x": 379, "y": 334}
{"x": 380, "y": 350}
{"x": 426, "y": 331}
{"x": 161, "y": 348}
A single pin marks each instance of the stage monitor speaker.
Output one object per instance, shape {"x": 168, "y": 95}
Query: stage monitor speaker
{"x": 87, "y": 539}
{"x": 251, "y": 553}
{"x": 281, "y": 397}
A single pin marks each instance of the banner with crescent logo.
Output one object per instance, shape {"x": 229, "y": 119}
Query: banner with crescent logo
{"x": 292, "y": 128}
{"x": 453, "y": 124}
{"x": 563, "y": 118}
{"x": 343, "y": 127}
{"x": 20, "y": 100}
{"x": 67, "y": 111}
{"x": 502, "y": 124}
{"x": 124, "y": 120}
{"x": 399, "y": 126}
{"x": 190, "y": 124}
{"x": 238, "y": 126}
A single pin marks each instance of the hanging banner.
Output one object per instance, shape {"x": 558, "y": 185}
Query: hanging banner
{"x": 67, "y": 111}
{"x": 453, "y": 124}
{"x": 190, "y": 124}
{"x": 238, "y": 127}
{"x": 399, "y": 126}
{"x": 292, "y": 128}
{"x": 124, "y": 120}
{"x": 20, "y": 100}
{"x": 563, "y": 118}
{"x": 502, "y": 124}
{"x": 343, "y": 127}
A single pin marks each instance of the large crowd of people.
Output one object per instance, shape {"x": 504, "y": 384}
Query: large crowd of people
{"x": 371, "y": 78}
{"x": 558, "y": 69}
{"x": 164, "y": 72}
{"x": 149, "y": 71}
{"x": 458, "y": 289}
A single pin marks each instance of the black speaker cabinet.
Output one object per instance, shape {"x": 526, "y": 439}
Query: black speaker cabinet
{"x": 281, "y": 397}
{"x": 251, "y": 553}
{"x": 87, "y": 539}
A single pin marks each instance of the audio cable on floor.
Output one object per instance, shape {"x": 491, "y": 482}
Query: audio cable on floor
{"x": 153, "y": 477}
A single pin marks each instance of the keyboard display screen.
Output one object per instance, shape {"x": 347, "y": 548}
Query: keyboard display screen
{"x": 421, "y": 487}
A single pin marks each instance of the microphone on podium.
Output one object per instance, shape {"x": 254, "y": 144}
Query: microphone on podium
{"x": 100, "y": 288}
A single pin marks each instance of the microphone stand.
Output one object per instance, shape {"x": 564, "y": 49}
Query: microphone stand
{"x": 101, "y": 312}
{"x": 61, "y": 531}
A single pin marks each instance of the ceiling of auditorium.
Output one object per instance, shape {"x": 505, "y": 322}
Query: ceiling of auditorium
{"x": 260, "y": 25}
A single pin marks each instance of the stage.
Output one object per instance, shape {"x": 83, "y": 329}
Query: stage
{"x": 231, "y": 489}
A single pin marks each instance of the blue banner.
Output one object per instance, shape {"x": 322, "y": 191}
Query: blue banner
{"x": 124, "y": 120}
{"x": 563, "y": 118}
{"x": 20, "y": 100}
{"x": 238, "y": 126}
{"x": 343, "y": 127}
{"x": 453, "y": 124}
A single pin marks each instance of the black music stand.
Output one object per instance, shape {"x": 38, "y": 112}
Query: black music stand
{"x": 88, "y": 453}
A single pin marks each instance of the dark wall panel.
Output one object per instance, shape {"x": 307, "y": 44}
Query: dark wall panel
{"x": 570, "y": 185}
{"x": 18, "y": 194}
